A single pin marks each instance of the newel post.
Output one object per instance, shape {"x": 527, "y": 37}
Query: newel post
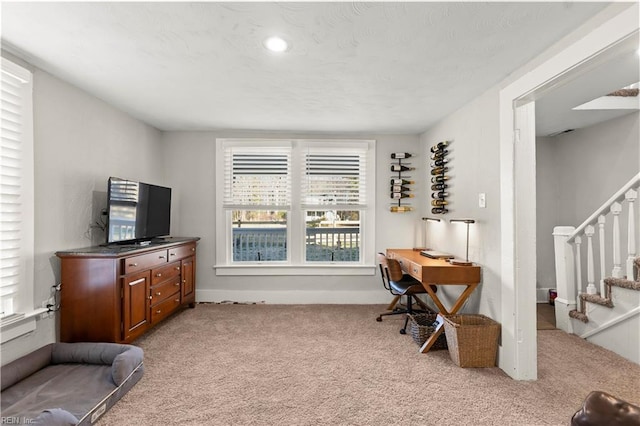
{"x": 565, "y": 281}
{"x": 631, "y": 197}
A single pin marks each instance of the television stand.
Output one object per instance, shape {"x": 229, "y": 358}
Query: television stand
{"x": 117, "y": 293}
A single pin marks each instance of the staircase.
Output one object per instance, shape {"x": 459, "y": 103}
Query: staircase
{"x": 605, "y": 311}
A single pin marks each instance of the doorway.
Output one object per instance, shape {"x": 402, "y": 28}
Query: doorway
{"x": 517, "y": 158}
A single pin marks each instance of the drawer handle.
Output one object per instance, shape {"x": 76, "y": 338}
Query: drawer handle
{"x": 172, "y": 254}
{"x": 136, "y": 282}
{"x": 177, "y": 268}
{"x": 177, "y": 300}
{"x": 133, "y": 264}
{"x": 178, "y": 284}
{"x": 159, "y": 274}
{"x": 161, "y": 257}
{"x": 184, "y": 280}
{"x": 158, "y": 311}
{"x": 151, "y": 297}
{"x": 193, "y": 249}
{"x": 158, "y": 294}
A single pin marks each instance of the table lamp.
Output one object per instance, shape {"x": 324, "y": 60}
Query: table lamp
{"x": 466, "y": 261}
{"x": 426, "y": 227}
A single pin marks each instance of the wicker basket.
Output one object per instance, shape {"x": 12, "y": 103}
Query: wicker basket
{"x": 422, "y": 329}
{"x": 472, "y": 340}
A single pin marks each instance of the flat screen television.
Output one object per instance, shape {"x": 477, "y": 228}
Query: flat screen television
{"x": 137, "y": 211}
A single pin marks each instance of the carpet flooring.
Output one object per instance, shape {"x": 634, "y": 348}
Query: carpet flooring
{"x": 335, "y": 365}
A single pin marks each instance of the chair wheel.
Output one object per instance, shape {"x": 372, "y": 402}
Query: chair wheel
{"x": 403, "y": 331}
{"x": 379, "y": 319}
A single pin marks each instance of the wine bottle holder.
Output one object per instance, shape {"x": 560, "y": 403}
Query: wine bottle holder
{"x": 400, "y": 189}
{"x": 439, "y": 178}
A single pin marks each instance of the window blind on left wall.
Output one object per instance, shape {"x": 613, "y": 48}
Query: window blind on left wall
{"x": 16, "y": 190}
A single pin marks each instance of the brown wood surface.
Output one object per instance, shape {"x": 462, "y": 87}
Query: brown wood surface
{"x": 111, "y": 294}
{"x": 437, "y": 272}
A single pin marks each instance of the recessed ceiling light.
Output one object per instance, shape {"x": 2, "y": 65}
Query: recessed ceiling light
{"x": 276, "y": 44}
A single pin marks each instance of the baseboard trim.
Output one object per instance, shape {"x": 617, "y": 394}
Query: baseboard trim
{"x": 288, "y": 297}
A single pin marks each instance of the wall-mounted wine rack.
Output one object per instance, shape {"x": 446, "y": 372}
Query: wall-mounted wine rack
{"x": 439, "y": 177}
{"x": 400, "y": 184}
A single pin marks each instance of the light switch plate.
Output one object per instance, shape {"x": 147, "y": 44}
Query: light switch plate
{"x": 482, "y": 200}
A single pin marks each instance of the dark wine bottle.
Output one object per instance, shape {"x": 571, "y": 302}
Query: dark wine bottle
{"x": 439, "y": 162}
{"x": 399, "y": 188}
{"x": 396, "y": 155}
{"x": 439, "y": 154}
{"x": 439, "y": 194}
{"x": 397, "y": 181}
{"x": 439, "y": 170}
{"x": 439, "y": 210}
{"x": 400, "y": 168}
{"x": 400, "y": 195}
{"x": 439, "y": 203}
{"x": 439, "y": 179}
{"x": 439, "y": 187}
{"x": 439, "y": 146}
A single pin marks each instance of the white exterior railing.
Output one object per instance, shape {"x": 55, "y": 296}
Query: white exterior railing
{"x": 569, "y": 254}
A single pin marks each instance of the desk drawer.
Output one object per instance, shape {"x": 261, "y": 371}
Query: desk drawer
{"x": 162, "y": 309}
{"x": 414, "y": 270}
{"x": 161, "y": 292}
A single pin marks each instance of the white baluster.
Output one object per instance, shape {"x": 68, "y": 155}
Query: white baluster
{"x": 578, "y": 258}
{"x": 591, "y": 288}
{"x": 616, "y": 209}
{"x": 601, "y": 221}
{"x": 631, "y": 196}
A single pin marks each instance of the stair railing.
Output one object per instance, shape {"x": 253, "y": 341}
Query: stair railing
{"x": 568, "y": 249}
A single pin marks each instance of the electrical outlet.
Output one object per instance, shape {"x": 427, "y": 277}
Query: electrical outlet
{"x": 482, "y": 200}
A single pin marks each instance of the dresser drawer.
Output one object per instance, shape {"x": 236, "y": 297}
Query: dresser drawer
{"x": 165, "y": 308}
{"x": 182, "y": 251}
{"x": 163, "y": 291}
{"x": 164, "y": 273}
{"x": 144, "y": 261}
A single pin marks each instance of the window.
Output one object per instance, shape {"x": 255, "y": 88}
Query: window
{"x": 293, "y": 206}
{"x": 16, "y": 191}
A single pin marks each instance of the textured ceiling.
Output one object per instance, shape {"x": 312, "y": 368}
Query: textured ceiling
{"x": 376, "y": 67}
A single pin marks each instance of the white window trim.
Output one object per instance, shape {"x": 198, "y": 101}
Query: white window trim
{"x": 293, "y": 267}
{"x": 24, "y": 319}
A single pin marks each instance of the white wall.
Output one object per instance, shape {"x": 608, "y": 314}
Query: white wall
{"x": 474, "y": 169}
{"x": 190, "y": 166}
{"x": 576, "y": 173}
{"x": 79, "y": 142}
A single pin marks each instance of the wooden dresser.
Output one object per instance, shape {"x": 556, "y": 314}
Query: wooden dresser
{"x": 117, "y": 293}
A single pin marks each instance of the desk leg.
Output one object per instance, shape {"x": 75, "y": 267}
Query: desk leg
{"x": 432, "y": 339}
{"x": 443, "y": 311}
{"x": 435, "y": 299}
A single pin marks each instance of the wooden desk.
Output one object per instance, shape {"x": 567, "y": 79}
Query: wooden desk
{"x": 437, "y": 272}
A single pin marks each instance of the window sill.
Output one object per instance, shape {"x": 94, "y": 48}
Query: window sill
{"x": 20, "y": 324}
{"x": 328, "y": 269}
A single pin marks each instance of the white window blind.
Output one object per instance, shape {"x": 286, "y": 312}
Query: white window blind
{"x": 257, "y": 177}
{"x": 334, "y": 177}
{"x": 16, "y": 189}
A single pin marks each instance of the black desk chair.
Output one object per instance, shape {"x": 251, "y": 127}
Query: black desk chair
{"x": 400, "y": 284}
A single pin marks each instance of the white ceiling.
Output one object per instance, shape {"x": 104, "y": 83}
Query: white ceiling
{"x": 366, "y": 66}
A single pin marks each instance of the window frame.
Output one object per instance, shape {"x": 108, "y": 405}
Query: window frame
{"x": 296, "y": 226}
{"x": 23, "y": 300}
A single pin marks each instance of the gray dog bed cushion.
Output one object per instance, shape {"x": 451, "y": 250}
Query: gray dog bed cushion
{"x": 78, "y": 383}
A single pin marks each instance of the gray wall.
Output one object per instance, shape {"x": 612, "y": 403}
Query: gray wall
{"x": 190, "y": 167}
{"x": 79, "y": 142}
{"x": 577, "y": 172}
